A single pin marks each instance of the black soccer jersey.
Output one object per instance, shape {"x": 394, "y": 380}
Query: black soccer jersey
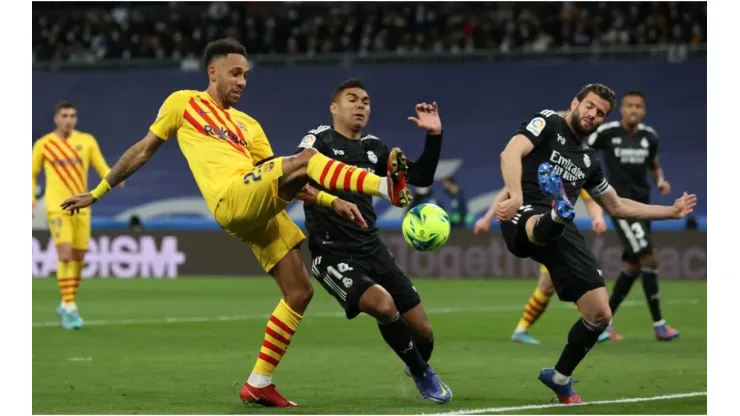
{"x": 333, "y": 234}
{"x": 554, "y": 142}
{"x": 628, "y": 157}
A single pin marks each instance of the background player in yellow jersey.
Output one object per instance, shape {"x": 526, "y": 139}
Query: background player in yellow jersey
{"x": 66, "y": 155}
{"x": 541, "y": 297}
{"x": 247, "y": 188}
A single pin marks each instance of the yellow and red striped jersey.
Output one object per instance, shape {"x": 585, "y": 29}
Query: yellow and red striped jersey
{"x": 66, "y": 163}
{"x": 219, "y": 144}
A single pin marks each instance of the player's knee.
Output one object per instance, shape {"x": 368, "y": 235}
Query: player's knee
{"x": 299, "y": 297}
{"x": 378, "y": 303}
{"x": 424, "y": 332}
{"x": 547, "y": 288}
{"x": 649, "y": 261}
{"x": 601, "y": 316}
{"x": 632, "y": 268}
{"x": 64, "y": 253}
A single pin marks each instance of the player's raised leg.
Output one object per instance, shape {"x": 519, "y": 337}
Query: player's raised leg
{"x": 535, "y": 308}
{"x": 337, "y": 176}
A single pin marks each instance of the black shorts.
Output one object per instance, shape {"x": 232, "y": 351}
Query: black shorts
{"x": 636, "y": 238}
{"x": 346, "y": 278}
{"x": 569, "y": 260}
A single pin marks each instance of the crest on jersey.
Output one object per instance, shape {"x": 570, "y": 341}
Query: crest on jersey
{"x": 644, "y": 143}
{"x": 78, "y": 147}
{"x": 241, "y": 124}
{"x": 536, "y": 126}
{"x": 347, "y": 282}
{"x": 587, "y": 161}
{"x": 616, "y": 140}
{"x": 307, "y": 141}
{"x": 371, "y": 156}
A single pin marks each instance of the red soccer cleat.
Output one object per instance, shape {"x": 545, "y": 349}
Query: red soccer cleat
{"x": 613, "y": 335}
{"x": 574, "y": 399}
{"x": 264, "y": 396}
{"x": 399, "y": 194}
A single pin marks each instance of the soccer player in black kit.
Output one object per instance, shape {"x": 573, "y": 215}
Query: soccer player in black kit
{"x": 545, "y": 166}
{"x": 630, "y": 150}
{"x": 350, "y": 261}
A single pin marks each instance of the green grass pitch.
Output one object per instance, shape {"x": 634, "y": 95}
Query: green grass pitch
{"x": 186, "y": 346}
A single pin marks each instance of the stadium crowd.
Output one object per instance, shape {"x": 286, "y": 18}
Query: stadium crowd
{"x": 78, "y": 32}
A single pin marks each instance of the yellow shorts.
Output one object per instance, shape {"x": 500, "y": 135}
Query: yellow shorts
{"x": 251, "y": 211}
{"x": 543, "y": 269}
{"x": 74, "y": 229}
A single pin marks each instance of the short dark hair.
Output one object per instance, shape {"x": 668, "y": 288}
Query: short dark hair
{"x": 63, "y": 105}
{"x": 634, "y": 93}
{"x": 222, "y": 47}
{"x": 450, "y": 179}
{"x": 601, "y": 90}
{"x": 345, "y": 85}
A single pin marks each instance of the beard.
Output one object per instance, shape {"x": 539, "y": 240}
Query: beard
{"x": 576, "y": 124}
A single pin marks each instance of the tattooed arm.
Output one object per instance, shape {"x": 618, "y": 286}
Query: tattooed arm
{"x": 133, "y": 159}
{"x": 130, "y": 162}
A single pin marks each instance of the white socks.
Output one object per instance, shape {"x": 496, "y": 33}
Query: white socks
{"x": 383, "y": 189}
{"x": 556, "y": 217}
{"x": 259, "y": 380}
{"x": 560, "y": 378}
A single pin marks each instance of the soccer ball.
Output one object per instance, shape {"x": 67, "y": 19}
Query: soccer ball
{"x": 426, "y": 227}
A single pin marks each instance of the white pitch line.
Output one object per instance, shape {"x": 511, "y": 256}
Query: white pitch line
{"x": 229, "y": 318}
{"x": 551, "y": 406}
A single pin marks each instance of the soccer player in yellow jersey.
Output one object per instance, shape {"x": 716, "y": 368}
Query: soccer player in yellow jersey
{"x": 66, "y": 155}
{"x": 545, "y": 289}
{"x": 247, "y": 188}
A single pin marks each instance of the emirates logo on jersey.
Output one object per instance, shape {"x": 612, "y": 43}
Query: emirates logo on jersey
{"x": 565, "y": 167}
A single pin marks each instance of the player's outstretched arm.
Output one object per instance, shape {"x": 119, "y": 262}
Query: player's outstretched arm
{"x": 422, "y": 171}
{"x": 596, "y": 213}
{"x": 484, "y": 224}
{"x": 36, "y": 166}
{"x": 656, "y": 172}
{"x": 619, "y": 207}
{"x": 130, "y": 162}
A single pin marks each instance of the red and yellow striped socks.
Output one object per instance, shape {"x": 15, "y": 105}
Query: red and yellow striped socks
{"x": 280, "y": 329}
{"x": 534, "y": 309}
{"x": 337, "y": 176}
{"x": 75, "y": 272}
{"x": 66, "y": 282}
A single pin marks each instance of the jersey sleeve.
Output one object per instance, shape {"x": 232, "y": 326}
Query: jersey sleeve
{"x": 381, "y": 151}
{"x": 653, "y": 145}
{"x": 596, "y": 185}
{"x": 36, "y": 165}
{"x": 313, "y": 140}
{"x": 97, "y": 160}
{"x": 596, "y": 140}
{"x": 536, "y": 128}
{"x": 169, "y": 119}
{"x": 260, "y": 148}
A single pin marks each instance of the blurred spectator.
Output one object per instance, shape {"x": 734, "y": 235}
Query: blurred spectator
{"x": 81, "y": 31}
{"x": 422, "y": 195}
{"x": 458, "y": 210}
